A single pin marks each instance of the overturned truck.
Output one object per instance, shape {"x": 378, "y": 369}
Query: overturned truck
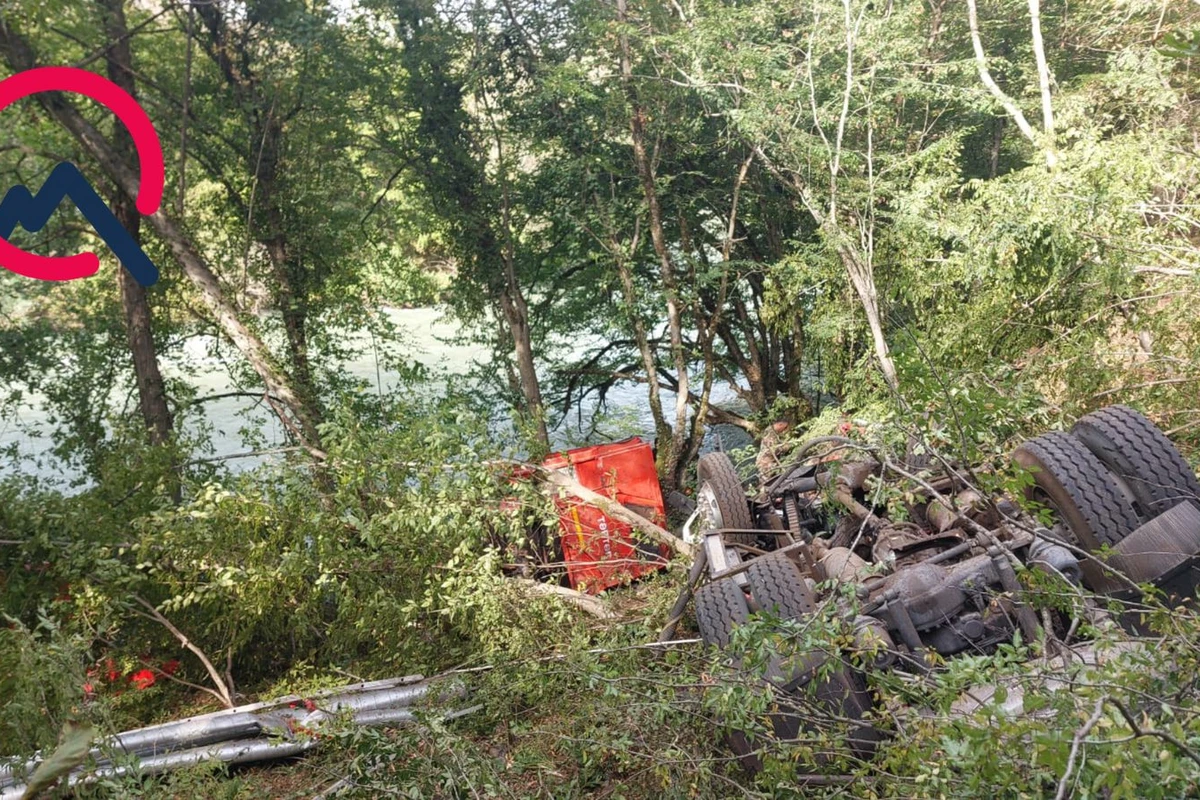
{"x": 938, "y": 576}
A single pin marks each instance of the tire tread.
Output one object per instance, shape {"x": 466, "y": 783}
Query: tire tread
{"x": 720, "y": 607}
{"x": 779, "y": 588}
{"x": 1088, "y": 484}
{"x": 1135, "y": 449}
{"x": 718, "y": 471}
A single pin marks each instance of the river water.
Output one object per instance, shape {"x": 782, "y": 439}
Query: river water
{"x": 426, "y": 336}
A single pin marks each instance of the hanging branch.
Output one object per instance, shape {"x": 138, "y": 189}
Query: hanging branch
{"x": 222, "y": 692}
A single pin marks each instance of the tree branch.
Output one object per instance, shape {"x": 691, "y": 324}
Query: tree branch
{"x": 222, "y": 692}
{"x": 1081, "y": 734}
{"x": 563, "y": 481}
{"x": 1009, "y": 104}
{"x": 1138, "y": 730}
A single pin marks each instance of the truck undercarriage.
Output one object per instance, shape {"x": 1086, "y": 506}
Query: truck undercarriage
{"x": 936, "y": 568}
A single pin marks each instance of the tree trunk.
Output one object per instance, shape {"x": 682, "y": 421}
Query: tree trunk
{"x": 290, "y": 288}
{"x": 997, "y": 143}
{"x": 662, "y": 430}
{"x": 139, "y": 328}
{"x": 293, "y": 311}
{"x": 863, "y": 280}
{"x": 287, "y": 404}
{"x": 516, "y": 314}
{"x": 1043, "y": 70}
{"x": 670, "y": 456}
{"x": 290, "y": 291}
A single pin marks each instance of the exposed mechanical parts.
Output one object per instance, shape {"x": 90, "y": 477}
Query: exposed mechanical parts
{"x": 1123, "y": 509}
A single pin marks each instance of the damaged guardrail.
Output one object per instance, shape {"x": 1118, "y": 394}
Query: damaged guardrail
{"x": 275, "y": 729}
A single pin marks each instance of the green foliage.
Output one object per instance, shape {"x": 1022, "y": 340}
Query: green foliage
{"x": 41, "y": 679}
{"x": 73, "y": 746}
{"x": 1178, "y": 44}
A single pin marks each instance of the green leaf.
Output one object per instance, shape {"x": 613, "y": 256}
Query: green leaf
{"x": 1181, "y": 45}
{"x": 74, "y": 743}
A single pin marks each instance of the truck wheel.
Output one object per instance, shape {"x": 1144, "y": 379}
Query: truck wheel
{"x": 721, "y": 499}
{"x": 1079, "y": 488}
{"x": 720, "y": 607}
{"x": 779, "y": 588}
{"x": 1141, "y": 456}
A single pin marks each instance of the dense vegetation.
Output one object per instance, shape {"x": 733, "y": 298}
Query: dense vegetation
{"x": 966, "y": 222}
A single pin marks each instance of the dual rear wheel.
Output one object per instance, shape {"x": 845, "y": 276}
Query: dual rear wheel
{"x": 1113, "y": 472}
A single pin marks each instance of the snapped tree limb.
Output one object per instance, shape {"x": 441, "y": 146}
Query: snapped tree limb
{"x": 612, "y": 508}
{"x": 584, "y": 602}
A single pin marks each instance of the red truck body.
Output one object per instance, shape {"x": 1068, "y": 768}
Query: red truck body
{"x": 601, "y": 552}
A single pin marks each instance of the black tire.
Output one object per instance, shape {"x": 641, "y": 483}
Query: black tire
{"x": 720, "y": 607}
{"x": 1141, "y": 456}
{"x": 1085, "y": 494}
{"x": 779, "y": 588}
{"x": 840, "y": 699}
{"x": 718, "y": 472}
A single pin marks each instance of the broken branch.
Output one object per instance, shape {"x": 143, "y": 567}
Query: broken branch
{"x": 222, "y": 692}
{"x": 566, "y": 483}
{"x": 584, "y": 602}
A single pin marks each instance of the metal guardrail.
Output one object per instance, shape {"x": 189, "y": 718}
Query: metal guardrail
{"x": 279, "y": 728}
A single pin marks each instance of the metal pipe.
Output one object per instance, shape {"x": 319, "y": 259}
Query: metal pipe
{"x": 906, "y": 628}
{"x": 195, "y": 732}
{"x": 385, "y": 698}
{"x": 385, "y": 716}
{"x": 203, "y": 730}
{"x": 798, "y": 457}
{"x": 238, "y": 752}
{"x": 247, "y": 721}
{"x": 243, "y": 751}
{"x": 946, "y": 555}
{"x": 1051, "y": 557}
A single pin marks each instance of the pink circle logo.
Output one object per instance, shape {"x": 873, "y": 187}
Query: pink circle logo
{"x": 65, "y": 180}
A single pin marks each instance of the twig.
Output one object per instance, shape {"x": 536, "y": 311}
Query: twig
{"x": 1138, "y": 730}
{"x": 595, "y": 651}
{"x": 1172, "y": 271}
{"x": 1076, "y": 742}
{"x": 176, "y": 679}
{"x": 1146, "y": 385}
{"x": 249, "y": 454}
{"x": 335, "y": 788}
{"x": 222, "y": 692}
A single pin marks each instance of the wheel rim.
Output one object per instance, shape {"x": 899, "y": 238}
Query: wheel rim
{"x": 710, "y": 510}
